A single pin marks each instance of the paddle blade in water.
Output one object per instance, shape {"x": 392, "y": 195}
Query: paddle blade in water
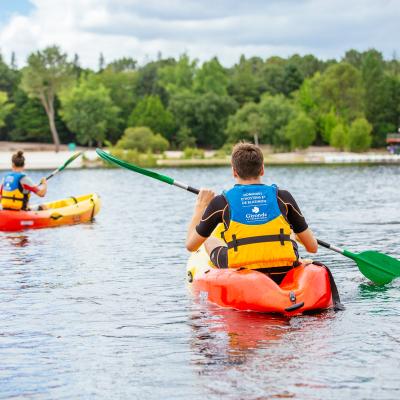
{"x": 377, "y": 267}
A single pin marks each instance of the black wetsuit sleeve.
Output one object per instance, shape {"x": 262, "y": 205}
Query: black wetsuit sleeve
{"x": 212, "y": 216}
{"x": 291, "y": 210}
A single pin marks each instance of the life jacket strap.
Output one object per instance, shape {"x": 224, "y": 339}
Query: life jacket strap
{"x": 223, "y": 236}
{"x": 24, "y": 201}
{"x": 282, "y": 238}
{"x": 12, "y": 198}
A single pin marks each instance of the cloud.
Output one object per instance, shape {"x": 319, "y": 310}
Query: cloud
{"x": 203, "y": 28}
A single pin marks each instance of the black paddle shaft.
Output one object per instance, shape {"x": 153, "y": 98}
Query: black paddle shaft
{"x": 193, "y": 190}
{"x": 323, "y": 244}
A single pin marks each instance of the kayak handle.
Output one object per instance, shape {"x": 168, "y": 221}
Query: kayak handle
{"x": 294, "y": 307}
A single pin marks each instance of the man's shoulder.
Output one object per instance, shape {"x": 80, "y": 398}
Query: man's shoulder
{"x": 219, "y": 199}
{"x": 282, "y": 191}
{"x": 285, "y": 195}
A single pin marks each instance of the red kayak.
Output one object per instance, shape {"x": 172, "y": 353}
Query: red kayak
{"x": 305, "y": 288}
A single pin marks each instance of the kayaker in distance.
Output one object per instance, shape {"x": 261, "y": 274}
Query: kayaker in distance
{"x": 16, "y": 187}
{"x": 258, "y": 221}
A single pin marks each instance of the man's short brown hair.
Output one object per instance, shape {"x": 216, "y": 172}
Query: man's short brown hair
{"x": 247, "y": 160}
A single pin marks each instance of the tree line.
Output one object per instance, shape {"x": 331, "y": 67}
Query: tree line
{"x": 289, "y": 103}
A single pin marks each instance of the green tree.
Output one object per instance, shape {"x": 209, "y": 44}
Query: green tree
{"x": 30, "y": 123}
{"x": 277, "y": 111}
{"x": 182, "y": 106}
{"x": 46, "y": 74}
{"x": 274, "y": 77}
{"x": 159, "y": 144}
{"x": 184, "y": 138}
{"x": 30, "y": 120}
{"x": 13, "y": 62}
{"x": 292, "y": 79}
{"x": 204, "y": 115}
{"x": 151, "y": 112}
{"x": 102, "y": 62}
{"x": 392, "y": 117}
{"x": 247, "y": 123}
{"x": 353, "y": 57}
{"x": 178, "y": 76}
{"x": 338, "y": 136}
{"x": 327, "y": 124}
{"x": 265, "y": 122}
{"x": 123, "y": 64}
{"x": 211, "y": 78}
{"x": 245, "y": 82}
{"x": 340, "y": 88}
{"x": 378, "y": 102}
{"x": 9, "y": 78}
{"x": 306, "y": 96}
{"x": 142, "y": 139}
{"x": 122, "y": 87}
{"x": 89, "y": 111}
{"x": 307, "y": 65}
{"x": 300, "y": 131}
{"x": 211, "y": 115}
{"x": 359, "y": 135}
{"x": 148, "y": 80}
{"x": 5, "y": 107}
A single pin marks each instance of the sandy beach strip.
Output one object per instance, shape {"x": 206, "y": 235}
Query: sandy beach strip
{"x": 48, "y": 160}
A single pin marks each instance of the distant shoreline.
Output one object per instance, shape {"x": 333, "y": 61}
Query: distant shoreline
{"x": 44, "y": 160}
{"x": 42, "y": 156}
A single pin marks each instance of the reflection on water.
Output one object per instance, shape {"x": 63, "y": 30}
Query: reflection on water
{"x": 17, "y": 240}
{"x": 102, "y": 310}
{"x": 240, "y": 330}
{"x": 227, "y": 339}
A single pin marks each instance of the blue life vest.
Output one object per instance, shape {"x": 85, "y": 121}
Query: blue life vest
{"x": 258, "y": 235}
{"x": 12, "y": 195}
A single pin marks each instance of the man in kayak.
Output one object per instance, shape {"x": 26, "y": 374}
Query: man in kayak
{"x": 16, "y": 187}
{"x": 258, "y": 221}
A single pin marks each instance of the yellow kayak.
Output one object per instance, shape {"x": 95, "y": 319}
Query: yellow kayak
{"x": 69, "y": 211}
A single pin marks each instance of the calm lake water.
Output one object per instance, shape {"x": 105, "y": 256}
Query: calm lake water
{"x": 102, "y": 311}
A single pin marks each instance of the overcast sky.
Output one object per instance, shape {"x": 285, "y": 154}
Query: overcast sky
{"x": 202, "y": 28}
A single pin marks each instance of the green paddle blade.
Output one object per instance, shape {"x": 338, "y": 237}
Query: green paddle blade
{"x": 377, "y": 267}
{"x": 69, "y": 161}
{"x": 114, "y": 160}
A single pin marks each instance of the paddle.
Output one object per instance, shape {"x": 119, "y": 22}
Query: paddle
{"x": 69, "y": 161}
{"x": 378, "y": 267}
{"x": 132, "y": 167}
